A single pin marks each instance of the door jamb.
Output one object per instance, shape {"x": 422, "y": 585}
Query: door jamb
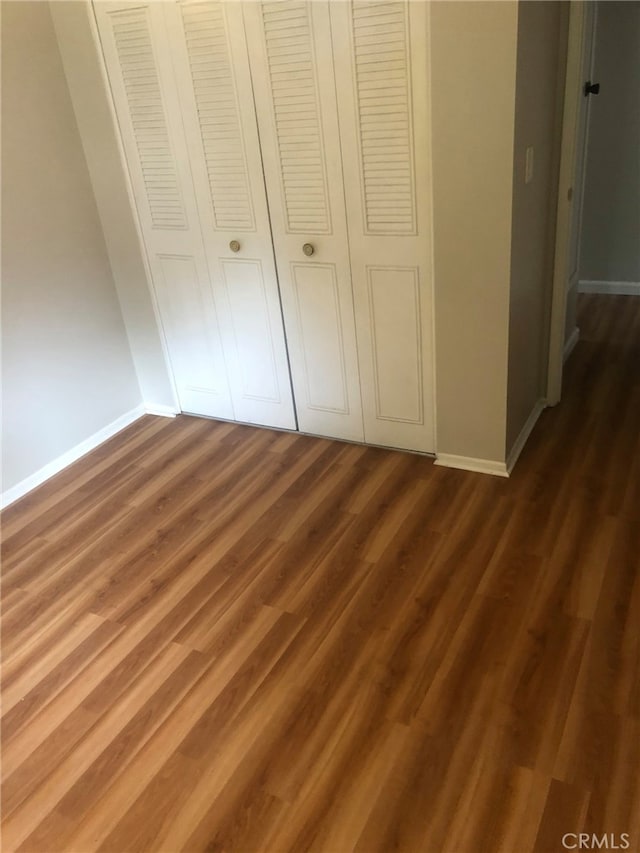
{"x": 566, "y": 195}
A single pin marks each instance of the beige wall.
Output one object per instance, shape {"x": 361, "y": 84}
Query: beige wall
{"x": 610, "y": 246}
{"x": 72, "y": 21}
{"x": 473, "y": 99}
{"x": 542, "y": 31}
{"x": 67, "y": 367}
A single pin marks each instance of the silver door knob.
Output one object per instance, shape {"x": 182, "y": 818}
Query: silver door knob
{"x": 234, "y": 246}
{"x": 308, "y": 249}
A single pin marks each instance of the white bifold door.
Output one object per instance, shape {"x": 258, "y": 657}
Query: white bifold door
{"x": 292, "y": 65}
{"x": 297, "y": 132}
{"x": 381, "y": 70}
{"x": 182, "y": 92}
{"x": 342, "y": 98}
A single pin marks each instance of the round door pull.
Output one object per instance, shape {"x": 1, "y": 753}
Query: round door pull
{"x": 308, "y": 249}
{"x": 234, "y": 246}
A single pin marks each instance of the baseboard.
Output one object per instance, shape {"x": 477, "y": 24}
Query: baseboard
{"x": 570, "y": 343}
{"x": 160, "y": 410}
{"x": 617, "y": 288}
{"x": 525, "y": 432}
{"x": 54, "y": 467}
{"x": 468, "y": 463}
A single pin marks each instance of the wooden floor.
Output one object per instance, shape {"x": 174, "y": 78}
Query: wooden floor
{"x": 226, "y": 638}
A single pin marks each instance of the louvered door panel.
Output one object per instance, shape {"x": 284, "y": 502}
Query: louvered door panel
{"x": 292, "y": 72}
{"x": 296, "y": 114}
{"x": 139, "y": 69}
{"x": 382, "y": 79}
{"x": 131, "y": 35}
{"x": 218, "y": 114}
{"x": 380, "y": 55}
{"x": 209, "y": 58}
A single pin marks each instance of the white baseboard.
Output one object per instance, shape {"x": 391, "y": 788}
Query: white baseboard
{"x": 160, "y": 410}
{"x": 617, "y": 288}
{"x": 525, "y": 432}
{"x": 468, "y": 463}
{"x": 12, "y": 494}
{"x": 570, "y": 343}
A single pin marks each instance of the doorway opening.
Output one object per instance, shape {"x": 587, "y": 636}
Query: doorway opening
{"x": 598, "y": 215}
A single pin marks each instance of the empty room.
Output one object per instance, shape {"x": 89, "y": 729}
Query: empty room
{"x": 320, "y": 426}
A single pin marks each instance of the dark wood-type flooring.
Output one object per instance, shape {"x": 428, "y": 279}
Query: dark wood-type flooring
{"x": 217, "y": 637}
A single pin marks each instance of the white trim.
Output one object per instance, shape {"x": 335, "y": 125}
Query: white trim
{"x": 525, "y": 432}
{"x": 570, "y": 344}
{"x": 135, "y": 215}
{"x": 618, "y": 288}
{"x": 468, "y": 463}
{"x": 65, "y": 24}
{"x": 432, "y": 237}
{"x": 70, "y": 456}
{"x": 160, "y": 410}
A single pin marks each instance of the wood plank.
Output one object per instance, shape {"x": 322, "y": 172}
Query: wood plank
{"x": 223, "y": 638}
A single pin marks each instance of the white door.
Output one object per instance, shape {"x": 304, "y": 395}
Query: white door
{"x": 382, "y": 68}
{"x": 214, "y": 89}
{"x": 167, "y": 211}
{"x": 219, "y": 309}
{"x": 294, "y": 87}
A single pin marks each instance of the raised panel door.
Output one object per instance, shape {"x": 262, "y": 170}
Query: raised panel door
{"x": 213, "y": 82}
{"x": 132, "y": 41}
{"x": 381, "y": 63}
{"x": 290, "y": 56}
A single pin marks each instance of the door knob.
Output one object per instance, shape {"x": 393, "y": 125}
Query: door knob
{"x": 591, "y": 88}
{"x": 234, "y": 246}
{"x": 308, "y": 249}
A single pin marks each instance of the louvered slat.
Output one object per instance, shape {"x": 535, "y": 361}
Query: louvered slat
{"x": 218, "y": 115}
{"x": 384, "y": 116}
{"x": 140, "y": 78}
{"x": 292, "y": 71}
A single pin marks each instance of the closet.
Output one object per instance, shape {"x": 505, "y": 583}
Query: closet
{"x": 279, "y": 159}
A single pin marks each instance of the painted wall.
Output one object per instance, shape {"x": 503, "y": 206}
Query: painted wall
{"x": 473, "y": 100}
{"x": 72, "y": 21}
{"x": 542, "y": 33}
{"x": 610, "y": 249}
{"x": 67, "y": 367}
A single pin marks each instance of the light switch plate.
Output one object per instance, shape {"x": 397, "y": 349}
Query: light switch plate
{"x": 528, "y": 165}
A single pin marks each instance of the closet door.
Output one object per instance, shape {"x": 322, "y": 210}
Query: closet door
{"x": 381, "y": 63}
{"x": 290, "y": 54}
{"x": 214, "y": 88}
{"x": 177, "y": 81}
{"x": 168, "y": 215}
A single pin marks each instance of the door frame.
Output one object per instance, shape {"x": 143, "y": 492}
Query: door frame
{"x": 567, "y": 209}
{"x": 100, "y": 131}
